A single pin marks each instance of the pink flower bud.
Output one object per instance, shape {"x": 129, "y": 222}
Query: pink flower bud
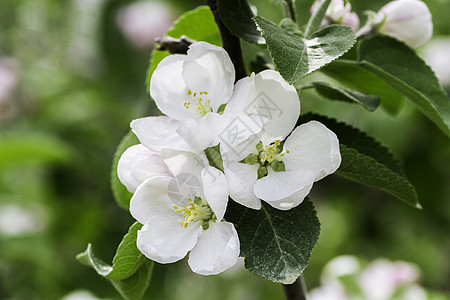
{"x": 406, "y": 20}
{"x": 338, "y": 13}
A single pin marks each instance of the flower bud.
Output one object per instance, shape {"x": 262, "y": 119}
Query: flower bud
{"x": 339, "y": 12}
{"x": 406, "y": 20}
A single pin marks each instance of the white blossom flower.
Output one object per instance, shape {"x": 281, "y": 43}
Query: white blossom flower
{"x": 183, "y": 213}
{"x": 189, "y": 89}
{"x": 277, "y": 166}
{"x": 338, "y": 12}
{"x": 406, "y": 20}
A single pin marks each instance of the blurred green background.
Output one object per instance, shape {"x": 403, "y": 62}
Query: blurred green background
{"x": 72, "y": 77}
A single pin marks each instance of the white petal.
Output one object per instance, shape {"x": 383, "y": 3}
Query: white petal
{"x": 292, "y": 201}
{"x": 280, "y": 185}
{"x": 168, "y": 88}
{"x": 202, "y": 133}
{"x": 239, "y": 101}
{"x": 241, "y": 179}
{"x": 158, "y": 132}
{"x": 124, "y": 167}
{"x": 314, "y": 147}
{"x": 151, "y": 199}
{"x": 217, "y": 249}
{"x": 268, "y": 95}
{"x": 240, "y": 136}
{"x": 215, "y": 189}
{"x": 164, "y": 240}
{"x": 209, "y": 68}
{"x": 137, "y": 164}
{"x": 185, "y": 164}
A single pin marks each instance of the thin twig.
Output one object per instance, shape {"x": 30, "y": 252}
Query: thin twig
{"x": 296, "y": 290}
{"x": 230, "y": 42}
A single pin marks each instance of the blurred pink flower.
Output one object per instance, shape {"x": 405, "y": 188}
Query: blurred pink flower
{"x": 9, "y": 78}
{"x": 382, "y": 278}
{"x": 142, "y": 22}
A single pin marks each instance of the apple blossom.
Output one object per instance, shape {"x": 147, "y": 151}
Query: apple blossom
{"x": 343, "y": 278}
{"x": 189, "y": 90}
{"x": 406, "y": 20}
{"x": 277, "y": 165}
{"x": 183, "y": 213}
{"x": 380, "y": 279}
{"x": 338, "y": 12}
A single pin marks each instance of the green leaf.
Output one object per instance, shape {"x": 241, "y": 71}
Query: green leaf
{"x": 134, "y": 287}
{"x": 400, "y": 67}
{"x": 130, "y": 273}
{"x": 355, "y": 77}
{"x": 316, "y": 19}
{"x": 120, "y": 192}
{"x": 276, "y": 244}
{"x": 21, "y": 148}
{"x": 327, "y": 90}
{"x": 296, "y": 57}
{"x": 237, "y": 17}
{"x": 290, "y": 26}
{"x": 366, "y": 161}
{"x": 197, "y": 24}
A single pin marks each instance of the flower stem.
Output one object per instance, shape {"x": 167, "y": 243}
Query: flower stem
{"x": 230, "y": 42}
{"x": 296, "y": 290}
{"x": 289, "y": 9}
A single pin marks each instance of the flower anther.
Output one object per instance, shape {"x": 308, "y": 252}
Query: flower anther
{"x": 196, "y": 210}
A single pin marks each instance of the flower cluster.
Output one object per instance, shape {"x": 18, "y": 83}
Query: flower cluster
{"x": 344, "y": 278}
{"x": 179, "y": 198}
{"x": 406, "y": 20}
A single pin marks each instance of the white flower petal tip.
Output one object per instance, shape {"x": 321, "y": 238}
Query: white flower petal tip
{"x": 137, "y": 164}
{"x": 217, "y": 249}
{"x": 406, "y": 20}
{"x": 163, "y": 240}
{"x": 278, "y": 188}
{"x": 159, "y": 132}
{"x": 292, "y": 201}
